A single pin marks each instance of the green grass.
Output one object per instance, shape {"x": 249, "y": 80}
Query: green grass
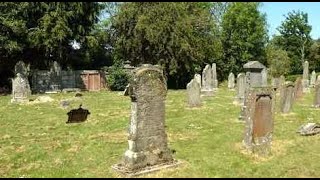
{"x": 35, "y": 141}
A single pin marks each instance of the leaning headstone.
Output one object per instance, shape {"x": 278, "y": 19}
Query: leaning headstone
{"x": 259, "y": 121}
{"x": 77, "y": 115}
{"x": 305, "y": 77}
{"x": 313, "y": 79}
{"x": 264, "y": 76}
{"x": 20, "y": 89}
{"x": 207, "y": 82}
{"x": 316, "y": 101}
{"x": 231, "y": 81}
{"x": 197, "y": 77}
{"x": 148, "y": 146}
{"x": 241, "y": 83}
{"x": 254, "y": 73}
{"x": 287, "y": 97}
{"x": 214, "y": 76}
{"x": 298, "y": 88}
{"x": 193, "y": 92}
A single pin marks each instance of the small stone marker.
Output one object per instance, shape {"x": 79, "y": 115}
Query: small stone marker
{"x": 305, "y": 77}
{"x": 77, "y": 115}
{"x": 214, "y": 76}
{"x": 316, "y": 101}
{"x": 313, "y": 79}
{"x": 193, "y": 93}
{"x": 231, "y": 83}
{"x": 309, "y": 129}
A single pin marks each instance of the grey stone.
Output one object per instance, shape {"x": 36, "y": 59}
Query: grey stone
{"x": 22, "y": 69}
{"x": 254, "y": 73}
{"x": 231, "y": 79}
{"x": 264, "y": 76}
{"x": 313, "y": 79}
{"x": 259, "y": 120}
{"x": 214, "y": 76}
{"x": 298, "y": 88}
{"x": 197, "y": 77}
{"x": 207, "y": 82}
{"x": 305, "y": 77}
{"x": 193, "y": 93}
{"x": 147, "y": 136}
{"x": 77, "y": 115}
{"x": 316, "y": 100}
{"x": 287, "y": 97}
{"x": 20, "y": 89}
{"x": 241, "y": 83}
{"x": 309, "y": 129}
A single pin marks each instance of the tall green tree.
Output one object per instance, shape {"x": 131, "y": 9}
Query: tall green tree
{"x": 296, "y": 39}
{"x": 178, "y": 36}
{"x": 314, "y": 56}
{"x": 244, "y": 35}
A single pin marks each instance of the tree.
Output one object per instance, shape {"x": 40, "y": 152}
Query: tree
{"x": 244, "y": 35}
{"x": 178, "y": 36}
{"x": 314, "y": 56}
{"x": 296, "y": 39}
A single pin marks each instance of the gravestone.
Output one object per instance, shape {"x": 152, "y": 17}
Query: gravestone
{"x": 264, "y": 76}
{"x": 207, "y": 82}
{"x": 316, "y": 101}
{"x": 193, "y": 93}
{"x": 197, "y": 77}
{"x": 313, "y": 79}
{"x": 77, "y": 115}
{"x": 259, "y": 120}
{"x": 214, "y": 76}
{"x": 20, "y": 89}
{"x": 254, "y": 73}
{"x": 305, "y": 77}
{"x": 241, "y": 83}
{"x": 231, "y": 81}
{"x": 298, "y": 88}
{"x": 22, "y": 69}
{"x": 287, "y": 97}
{"x": 148, "y": 146}
{"x": 55, "y": 77}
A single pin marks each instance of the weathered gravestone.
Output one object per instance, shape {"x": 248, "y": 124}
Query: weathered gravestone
{"x": 193, "y": 93}
{"x": 287, "y": 97}
{"x": 305, "y": 77}
{"x": 298, "y": 88}
{"x": 55, "y": 78}
{"x": 22, "y": 69}
{"x": 241, "y": 83}
{"x": 254, "y": 73}
{"x": 197, "y": 77}
{"x": 264, "y": 76}
{"x": 214, "y": 76}
{"x": 231, "y": 81}
{"x": 148, "y": 146}
{"x": 313, "y": 79}
{"x": 207, "y": 82}
{"x": 259, "y": 120}
{"x": 318, "y": 78}
{"x": 20, "y": 89}
{"x": 77, "y": 115}
{"x": 316, "y": 101}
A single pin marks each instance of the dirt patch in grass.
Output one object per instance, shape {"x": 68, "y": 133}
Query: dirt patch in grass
{"x": 278, "y": 147}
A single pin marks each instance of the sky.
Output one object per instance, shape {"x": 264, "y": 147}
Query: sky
{"x": 275, "y": 12}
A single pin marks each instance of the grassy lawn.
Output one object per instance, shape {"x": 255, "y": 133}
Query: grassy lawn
{"x": 35, "y": 141}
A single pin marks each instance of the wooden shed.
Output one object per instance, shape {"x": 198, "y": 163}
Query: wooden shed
{"x": 93, "y": 80}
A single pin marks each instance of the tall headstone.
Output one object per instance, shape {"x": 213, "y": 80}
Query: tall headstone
{"x": 264, "y": 76}
{"x": 207, "y": 82}
{"x": 305, "y": 77}
{"x": 55, "y": 77}
{"x": 20, "y": 89}
{"x": 298, "y": 88}
{"x": 254, "y": 73}
{"x": 287, "y": 97}
{"x": 259, "y": 120}
{"x": 241, "y": 83}
{"x": 193, "y": 93}
{"x": 231, "y": 81}
{"x": 22, "y": 69}
{"x": 313, "y": 79}
{"x": 197, "y": 77}
{"x": 316, "y": 100}
{"x": 147, "y": 139}
{"x": 214, "y": 76}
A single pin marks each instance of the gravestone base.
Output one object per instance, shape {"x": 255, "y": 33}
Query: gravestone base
{"x": 22, "y": 100}
{"x": 207, "y": 92}
{"x": 261, "y": 146}
{"x": 149, "y": 169}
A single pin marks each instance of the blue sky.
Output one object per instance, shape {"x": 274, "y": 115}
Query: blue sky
{"x": 276, "y": 10}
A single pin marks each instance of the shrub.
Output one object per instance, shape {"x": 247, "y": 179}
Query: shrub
{"x": 117, "y": 78}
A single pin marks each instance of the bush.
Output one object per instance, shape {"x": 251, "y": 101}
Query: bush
{"x": 293, "y": 78}
{"x": 117, "y": 78}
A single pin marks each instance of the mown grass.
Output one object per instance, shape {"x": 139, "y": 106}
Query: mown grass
{"x": 35, "y": 141}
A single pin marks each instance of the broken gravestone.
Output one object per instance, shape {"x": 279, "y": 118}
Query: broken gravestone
{"x": 193, "y": 93}
{"x": 259, "y": 121}
{"x": 309, "y": 129}
{"x": 148, "y": 147}
{"x": 77, "y": 115}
